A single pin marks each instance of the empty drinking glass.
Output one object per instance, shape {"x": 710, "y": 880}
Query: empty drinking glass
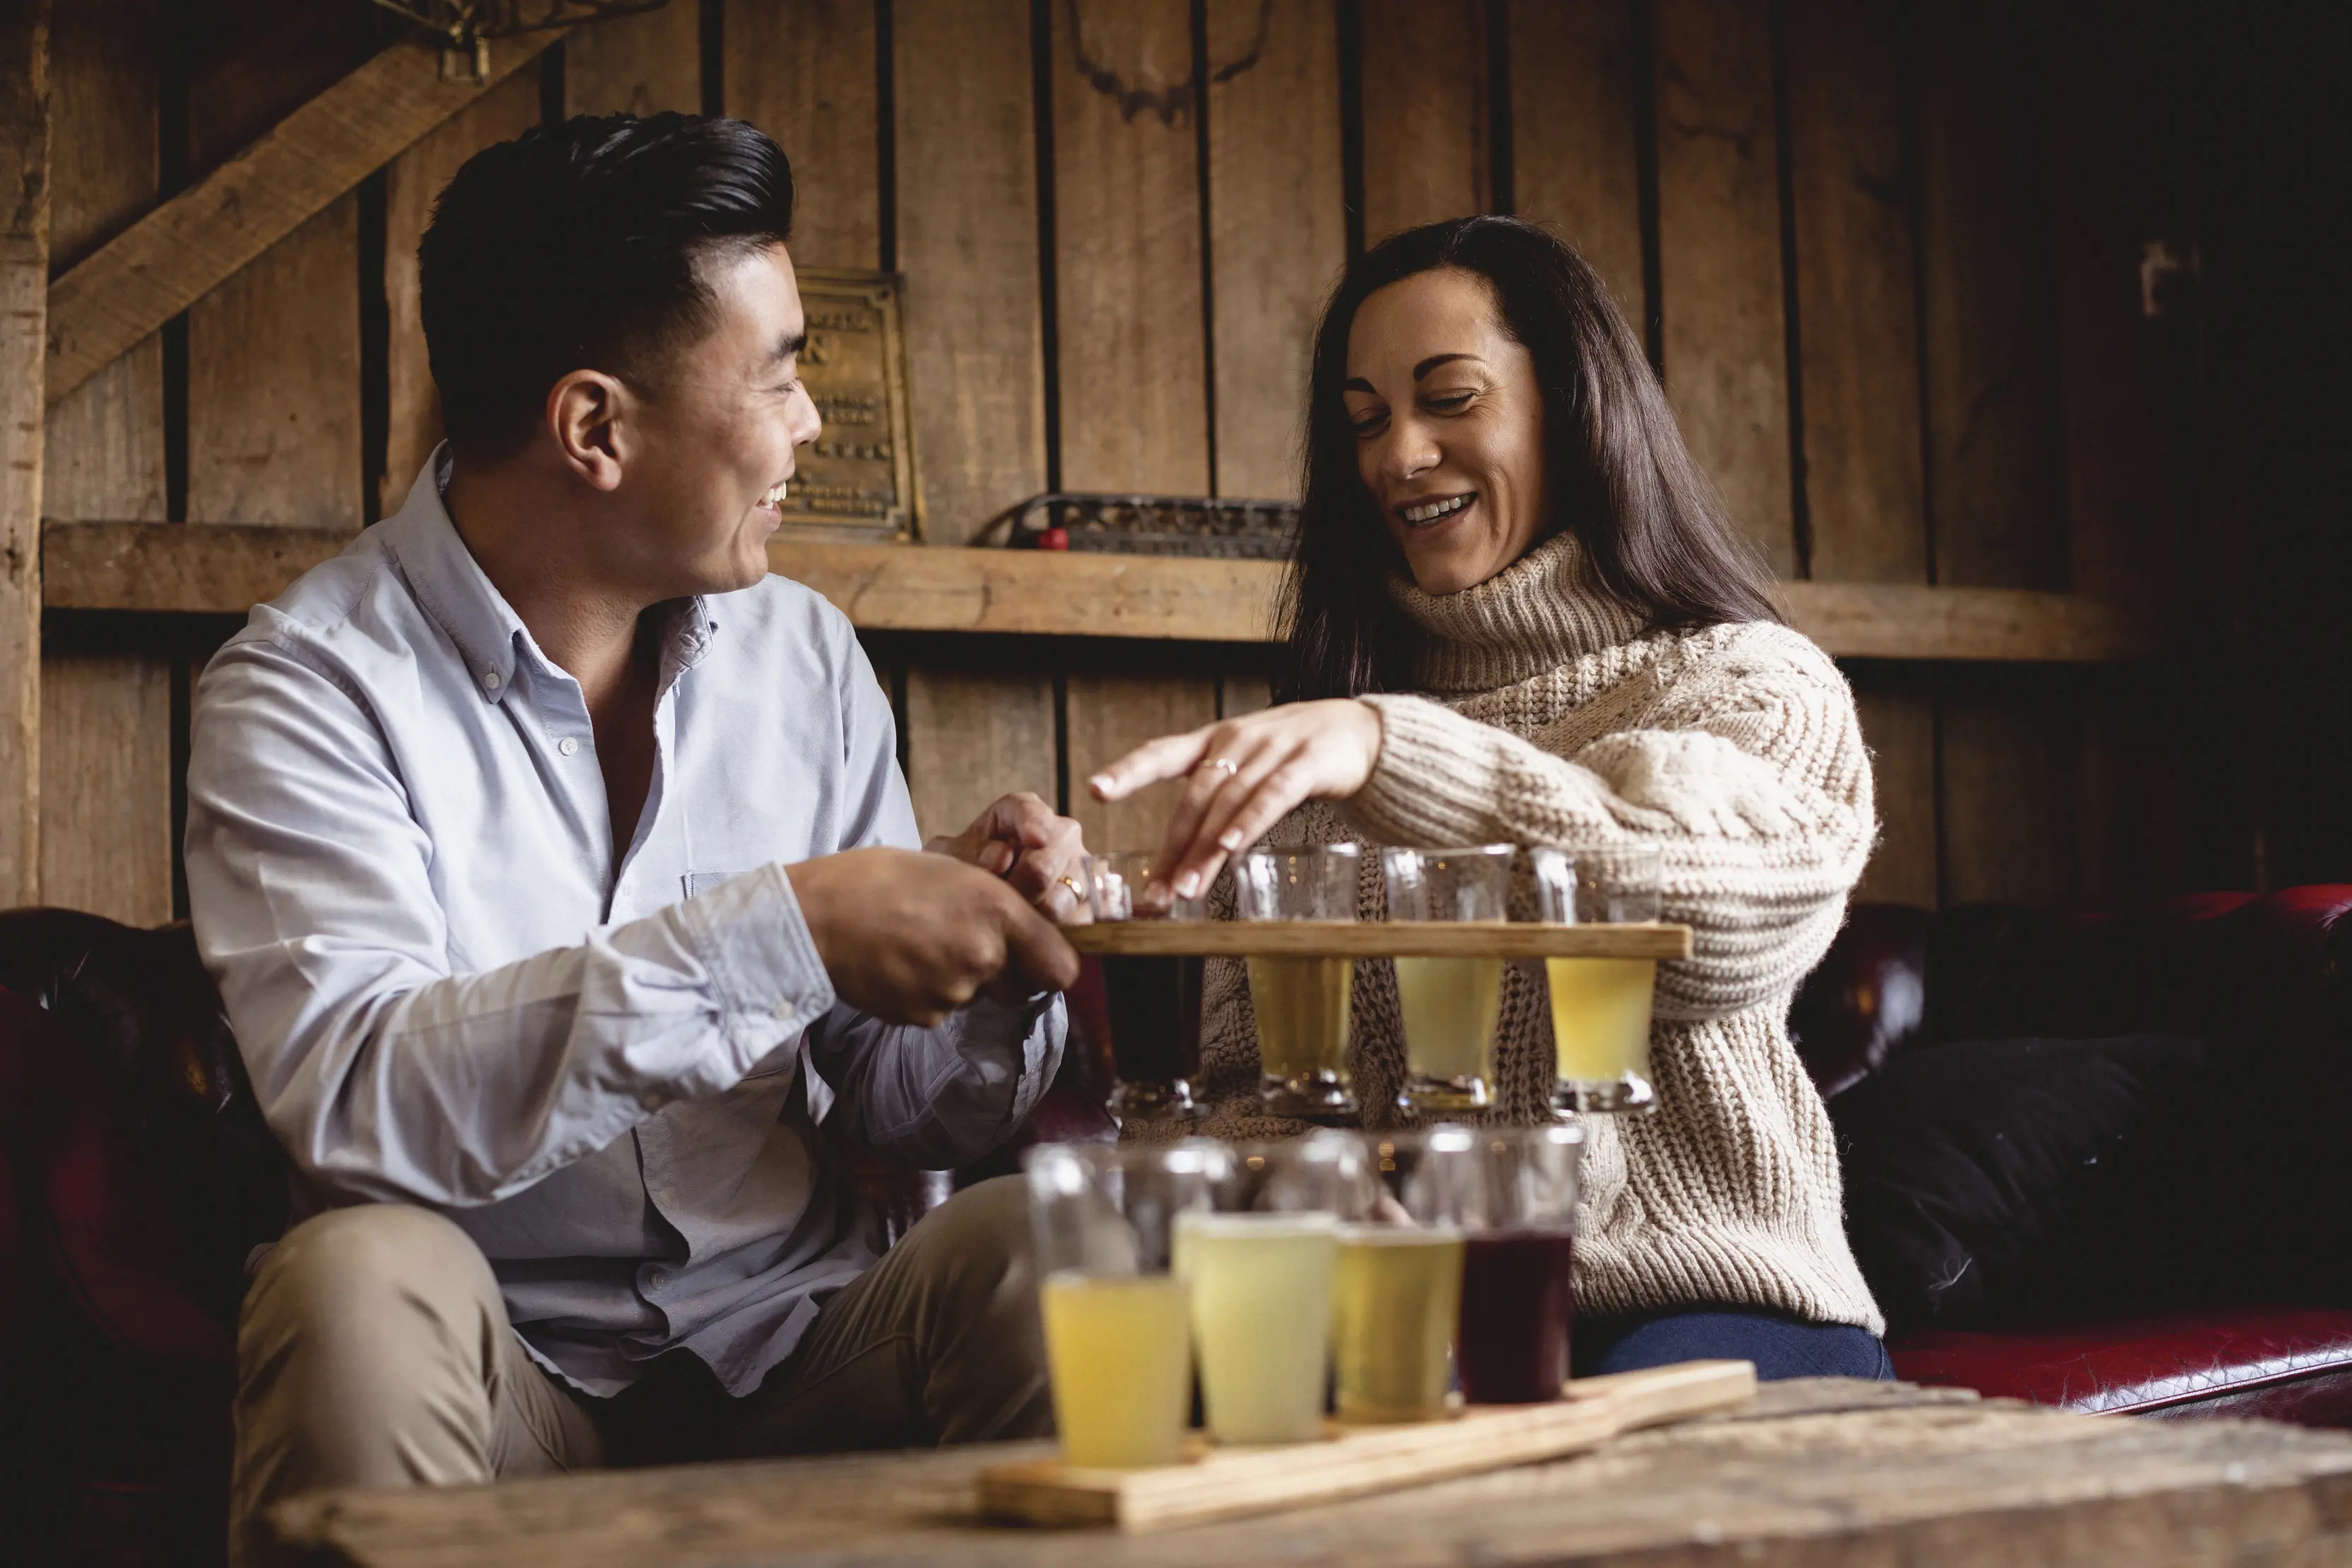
{"x": 1301, "y": 1003}
{"x": 1153, "y": 1001}
{"x": 1450, "y": 1005}
{"x": 1601, "y": 1007}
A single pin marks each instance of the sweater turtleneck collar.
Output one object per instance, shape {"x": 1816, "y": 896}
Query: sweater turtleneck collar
{"x": 1536, "y": 614}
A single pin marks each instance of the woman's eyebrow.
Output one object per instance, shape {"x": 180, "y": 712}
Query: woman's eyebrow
{"x": 1358, "y": 384}
{"x": 1431, "y": 363}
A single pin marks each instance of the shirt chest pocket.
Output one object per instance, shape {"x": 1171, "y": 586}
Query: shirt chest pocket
{"x": 704, "y": 881}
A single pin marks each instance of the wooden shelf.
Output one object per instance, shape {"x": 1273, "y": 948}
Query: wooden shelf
{"x": 216, "y": 569}
{"x": 1376, "y": 939}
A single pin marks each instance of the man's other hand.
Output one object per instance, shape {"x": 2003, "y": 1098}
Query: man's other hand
{"x": 1020, "y": 838}
{"x": 912, "y": 937}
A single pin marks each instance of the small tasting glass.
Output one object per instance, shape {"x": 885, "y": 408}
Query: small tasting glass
{"x": 1396, "y": 1296}
{"x": 1450, "y": 1005}
{"x": 1601, "y": 1007}
{"x": 1301, "y": 1003}
{"x": 1518, "y": 1296}
{"x": 1153, "y": 1002}
{"x": 1118, "y": 1318}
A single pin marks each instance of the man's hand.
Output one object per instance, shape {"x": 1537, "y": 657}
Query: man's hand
{"x": 1020, "y": 838}
{"x": 912, "y": 937}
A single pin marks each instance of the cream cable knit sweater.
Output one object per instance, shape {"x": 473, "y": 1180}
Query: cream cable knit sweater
{"x": 1555, "y": 717}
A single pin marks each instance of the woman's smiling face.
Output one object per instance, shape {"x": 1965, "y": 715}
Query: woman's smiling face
{"x": 1449, "y": 427}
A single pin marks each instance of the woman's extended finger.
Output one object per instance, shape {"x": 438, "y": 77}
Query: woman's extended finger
{"x": 1228, "y": 756}
{"x": 1191, "y": 846}
{"x": 1170, "y": 756}
{"x": 1277, "y": 794}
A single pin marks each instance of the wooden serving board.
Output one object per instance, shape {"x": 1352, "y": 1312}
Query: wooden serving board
{"x": 1222, "y": 1483}
{"x": 1376, "y": 939}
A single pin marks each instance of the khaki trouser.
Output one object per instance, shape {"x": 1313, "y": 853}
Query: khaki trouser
{"x": 373, "y": 1350}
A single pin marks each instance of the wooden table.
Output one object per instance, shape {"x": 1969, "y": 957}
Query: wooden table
{"x": 1819, "y": 1473}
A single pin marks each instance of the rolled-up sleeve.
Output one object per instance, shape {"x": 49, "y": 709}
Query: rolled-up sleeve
{"x": 386, "y": 1075}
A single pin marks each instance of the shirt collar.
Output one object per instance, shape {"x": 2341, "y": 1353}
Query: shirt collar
{"x": 458, "y": 594}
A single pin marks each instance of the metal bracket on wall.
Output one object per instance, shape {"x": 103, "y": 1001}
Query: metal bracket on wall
{"x": 470, "y": 24}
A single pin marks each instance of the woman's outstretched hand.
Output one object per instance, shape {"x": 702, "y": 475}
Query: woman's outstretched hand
{"x": 1246, "y": 774}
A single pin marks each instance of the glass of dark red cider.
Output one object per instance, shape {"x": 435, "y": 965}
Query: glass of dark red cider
{"x": 1153, "y": 1002}
{"x": 1518, "y": 1297}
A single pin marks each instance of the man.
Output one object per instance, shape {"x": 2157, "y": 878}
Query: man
{"x": 550, "y": 855}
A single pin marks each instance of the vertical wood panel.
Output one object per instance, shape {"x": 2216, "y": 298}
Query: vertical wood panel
{"x": 24, "y": 326}
{"x": 412, "y": 183}
{"x": 273, "y": 352}
{"x": 106, "y": 722}
{"x": 1898, "y": 725}
{"x": 967, "y": 227}
{"x": 637, "y": 65}
{"x": 1126, "y": 240}
{"x": 1426, "y": 135}
{"x": 1720, "y": 258}
{"x": 1858, "y": 352}
{"x": 1990, "y": 415}
{"x": 1983, "y": 268}
{"x": 106, "y": 785}
{"x": 1238, "y": 695}
{"x": 1575, "y": 163}
{"x": 805, "y": 73}
{"x": 1126, "y": 243}
{"x": 2117, "y": 478}
{"x": 2006, "y": 794}
{"x": 1277, "y": 227}
{"x": 966, "y": 152}
{"x": 972, "y": 735}
{"x": 1108, "y": 715}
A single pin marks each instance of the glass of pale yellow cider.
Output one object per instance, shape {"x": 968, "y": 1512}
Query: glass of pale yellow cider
{"x": 1118, "y": 1317}
{"x": 1450, "y": 1005}
{"x": 1396, "y": 1299}
{"x": 1601, "y": 1007}
{"x": 1301, "y": 1003}
{"x": 1260, "y": 1271}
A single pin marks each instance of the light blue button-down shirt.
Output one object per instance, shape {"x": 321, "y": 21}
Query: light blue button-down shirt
{"x": 448, "y": 993}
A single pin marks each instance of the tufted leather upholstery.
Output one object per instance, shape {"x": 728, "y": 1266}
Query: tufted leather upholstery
{"x": 2267, "y": 983}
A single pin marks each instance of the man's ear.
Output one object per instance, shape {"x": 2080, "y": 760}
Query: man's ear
{"x": 584, "y": 414}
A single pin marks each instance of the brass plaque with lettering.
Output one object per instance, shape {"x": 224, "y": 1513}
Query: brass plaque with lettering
{"x": 858, "y": 480}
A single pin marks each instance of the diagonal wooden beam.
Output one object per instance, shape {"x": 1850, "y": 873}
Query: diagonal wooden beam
{"x": 23, "y": 277}
{"x": 180, "y": 251}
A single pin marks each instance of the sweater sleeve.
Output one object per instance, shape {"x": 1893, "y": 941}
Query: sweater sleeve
{"x": 1748, "y": 771}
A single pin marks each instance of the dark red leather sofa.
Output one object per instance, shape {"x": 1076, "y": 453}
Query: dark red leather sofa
{"x": 137, "y": 1176}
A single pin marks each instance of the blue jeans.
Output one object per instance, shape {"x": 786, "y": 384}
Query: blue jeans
{"x": 1780, "y": 1346}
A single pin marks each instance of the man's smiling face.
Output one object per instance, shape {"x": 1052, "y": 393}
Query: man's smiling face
{"x": 718, "y": 440}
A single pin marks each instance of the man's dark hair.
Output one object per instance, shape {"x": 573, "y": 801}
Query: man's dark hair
{"x": 583, "y": 245}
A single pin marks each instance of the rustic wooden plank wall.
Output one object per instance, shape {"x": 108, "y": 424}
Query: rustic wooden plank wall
{"x": 1878, "y": 251}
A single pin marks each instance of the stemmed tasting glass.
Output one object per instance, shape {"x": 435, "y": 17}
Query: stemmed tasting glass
{"x": 1260, "y": 1272}
{"x": 1450, "y": 1005}
{"x": 1118, "y": 1318}
{"x": 1154, "y": 1001}
{"x": 1518, "y": 1296}
{"x": 1302, "y": 1004}
{"x": 1601, "y": 1007}
{"x": 1396, "y": 1299}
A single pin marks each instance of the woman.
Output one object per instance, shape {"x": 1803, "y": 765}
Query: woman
{"x": 1516, "y": 613}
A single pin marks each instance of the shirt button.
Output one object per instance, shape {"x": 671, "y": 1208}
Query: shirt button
{"x": 568, "y": 745}
{"x": 489, "y": 680}
{"x": 782, "y": 1009}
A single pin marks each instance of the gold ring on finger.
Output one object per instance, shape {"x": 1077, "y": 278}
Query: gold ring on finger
{"x": 1072, "y": 883}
